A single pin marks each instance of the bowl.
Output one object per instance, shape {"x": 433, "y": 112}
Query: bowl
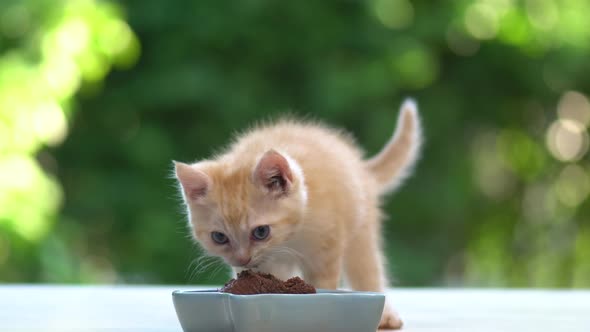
{"x": 326, "y": 311}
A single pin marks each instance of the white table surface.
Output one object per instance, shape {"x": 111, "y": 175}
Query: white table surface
{"x": 39, "y": 308}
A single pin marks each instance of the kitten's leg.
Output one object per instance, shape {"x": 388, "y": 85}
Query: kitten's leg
{"x": 324, "y": 274}
{"x": 364, "y": 265}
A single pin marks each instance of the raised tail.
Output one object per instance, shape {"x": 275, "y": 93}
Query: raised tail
{"x": 396, "y": 160}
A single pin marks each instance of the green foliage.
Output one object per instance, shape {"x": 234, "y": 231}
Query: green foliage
{"x": 499, "y": 197}
{"x": 47, "y": 50}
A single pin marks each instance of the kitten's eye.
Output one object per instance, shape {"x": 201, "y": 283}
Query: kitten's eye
{"x": 261, "y": 232}
{"x": 219, "y": 238}
{"x": 276, "y": 182}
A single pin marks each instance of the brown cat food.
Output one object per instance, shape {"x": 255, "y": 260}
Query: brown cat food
{"x": 250, "y": 283}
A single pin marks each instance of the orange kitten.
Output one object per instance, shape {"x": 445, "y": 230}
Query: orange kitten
{"x": 296, "y": 197}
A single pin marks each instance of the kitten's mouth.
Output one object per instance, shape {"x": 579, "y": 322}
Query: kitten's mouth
{"x": 250, "y": 265}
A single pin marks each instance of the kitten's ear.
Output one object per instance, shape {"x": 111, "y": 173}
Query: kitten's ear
{"x": 195, "y": 183}
{"x": 274, "y": 173}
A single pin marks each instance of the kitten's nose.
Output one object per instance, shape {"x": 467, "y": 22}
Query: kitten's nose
{"x": 243, "y": 261}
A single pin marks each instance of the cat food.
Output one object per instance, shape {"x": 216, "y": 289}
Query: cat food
{"x": 250, "y": 283}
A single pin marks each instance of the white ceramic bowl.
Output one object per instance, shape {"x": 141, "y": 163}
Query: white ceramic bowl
{"x": 326, "y": 311}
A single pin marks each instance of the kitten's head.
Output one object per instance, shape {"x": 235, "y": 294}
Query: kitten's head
{"x": 243, "y": 211}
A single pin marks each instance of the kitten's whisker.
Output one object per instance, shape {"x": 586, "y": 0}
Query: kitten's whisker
{"x": 194, "y": 269}
{"x": 189, "y": 268}
{"x": 202, "y": 264}
{"x": 219, "y": 268}
{"x": 290, "y": 251}
{"x": 195, "y": 266}
{"x": 206, "y": 266}
{"x": 296, "y": 255}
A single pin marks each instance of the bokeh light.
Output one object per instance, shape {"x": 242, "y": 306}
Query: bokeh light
{"x": 415, "y": 65}
{"x": 492, "y": 177}
{"x": 521, "y": 154}
{"x": 50, "y": 124}
{"x": 482, "y": 21}
{"x": 572, "y": 185}
{"x": 395, "y": 14}
{"x": 543, "y": 14}
{"x": 574, "y": 106}
{"x": 460, "y": 42}
{"x": 567, "y": 140}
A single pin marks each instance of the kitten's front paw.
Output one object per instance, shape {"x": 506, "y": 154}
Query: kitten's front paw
{"x": 390, "y": 320}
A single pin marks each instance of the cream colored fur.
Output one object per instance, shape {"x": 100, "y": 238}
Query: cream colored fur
{"x": 326, "y": 223}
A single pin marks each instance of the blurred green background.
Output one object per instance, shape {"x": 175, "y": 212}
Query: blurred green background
{"x": 97, "y": 98}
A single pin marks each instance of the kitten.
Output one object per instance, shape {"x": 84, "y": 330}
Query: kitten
{"x": 296, "y": 196}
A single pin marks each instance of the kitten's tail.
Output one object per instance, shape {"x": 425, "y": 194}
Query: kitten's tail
{"x": 396, "y": 160}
